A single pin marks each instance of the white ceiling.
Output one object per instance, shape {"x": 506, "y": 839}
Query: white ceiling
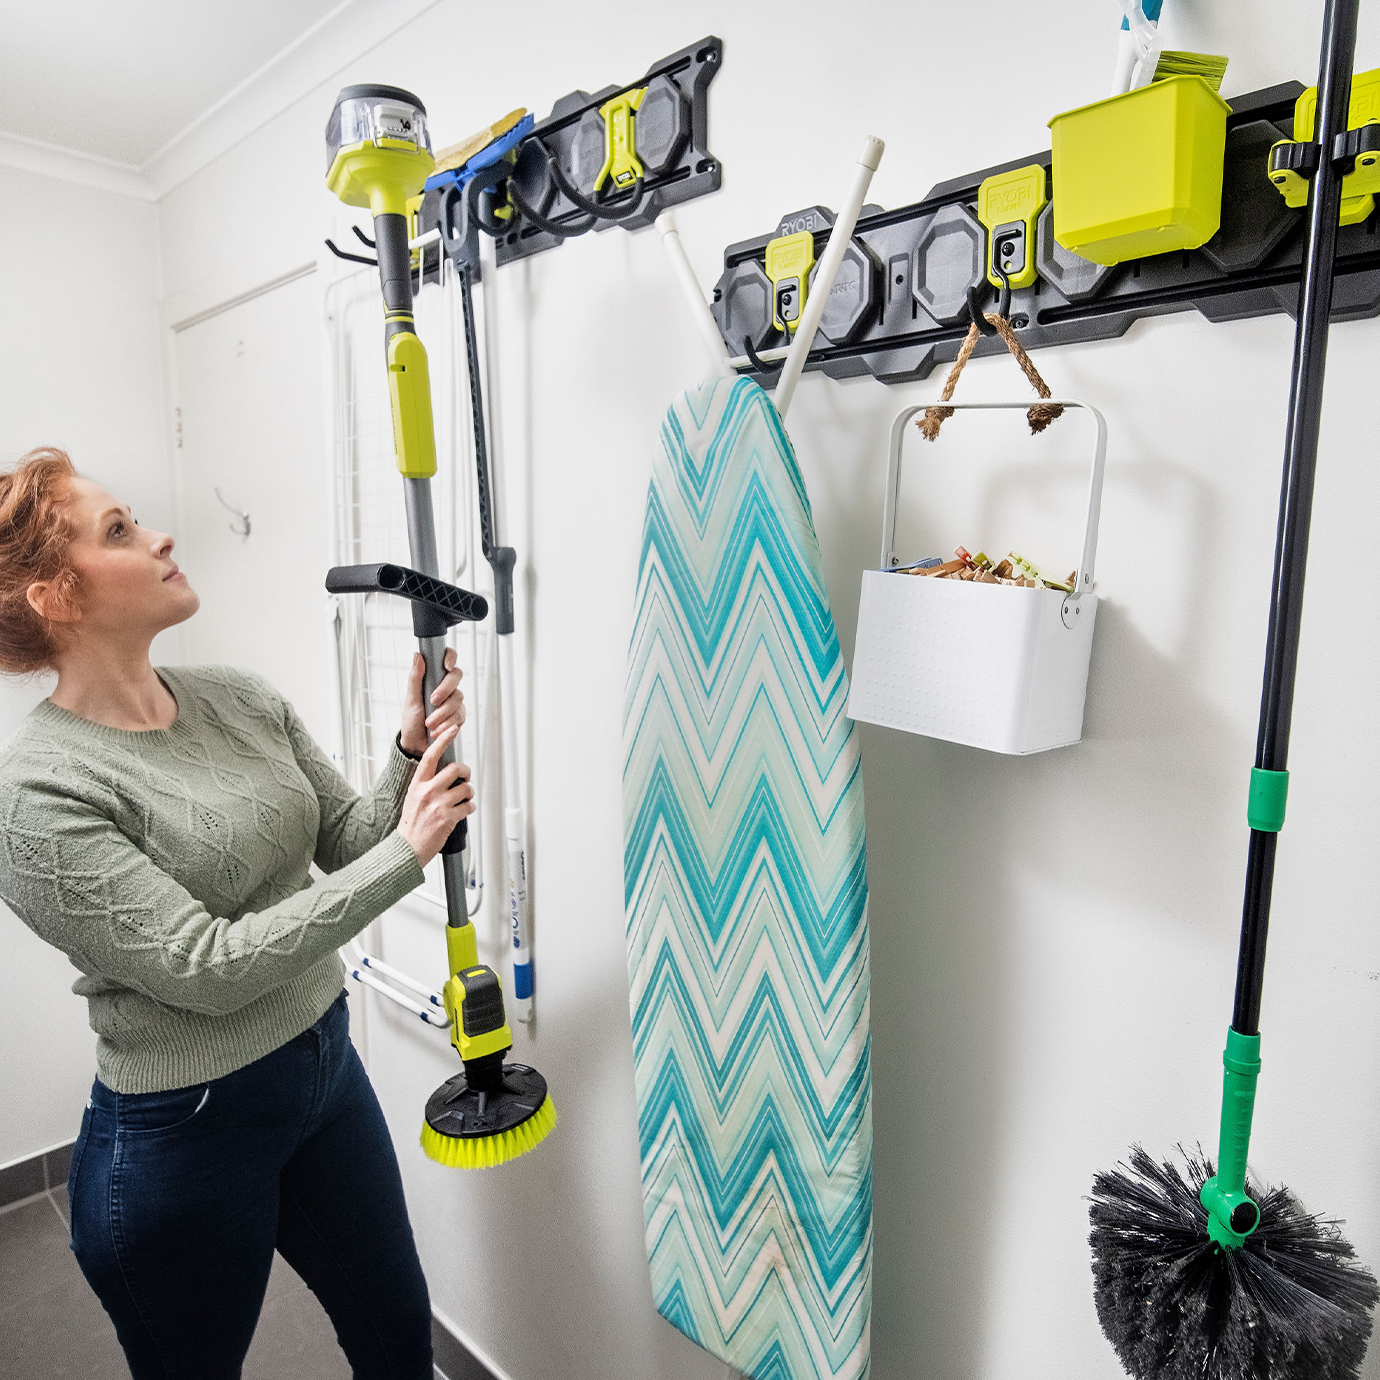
{"x": 135, "y": 96}
{"x": 120, "y": 81}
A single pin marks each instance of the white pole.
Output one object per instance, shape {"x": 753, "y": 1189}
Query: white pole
{"x": 1136, "y": 68}
{"x": 515, "y": 832}
{"x": 397, "y": 975}
{"x": 694, "y": 295}
{"x": 1127, "y": 55}
{"x": 428, "y": 1014}
{"x": 823, "y": 284}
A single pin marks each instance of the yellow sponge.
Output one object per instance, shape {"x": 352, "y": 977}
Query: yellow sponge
{"x": 457, "y": 155}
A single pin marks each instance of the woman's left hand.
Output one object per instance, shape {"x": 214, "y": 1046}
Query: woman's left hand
{"x": 448, "y": 705}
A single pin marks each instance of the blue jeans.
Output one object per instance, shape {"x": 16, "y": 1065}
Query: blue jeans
{"x": 179, "y": 1198}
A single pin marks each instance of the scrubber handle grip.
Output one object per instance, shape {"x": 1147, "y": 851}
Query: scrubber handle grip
{"x": 447, "y": 603}
{"x": 395, "y": 264}
{"x": 433, "y": 654}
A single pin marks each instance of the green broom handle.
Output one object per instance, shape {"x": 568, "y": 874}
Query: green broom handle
{"x": 1231, "y": 1213}
{"x": 1295, "y": 503}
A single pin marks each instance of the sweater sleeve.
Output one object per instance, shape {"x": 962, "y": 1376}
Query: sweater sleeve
{"x": 351, "y": 823}
{"x": 78, "y": 882}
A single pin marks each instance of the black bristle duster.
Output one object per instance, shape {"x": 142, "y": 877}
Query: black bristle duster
{"x": 1293, "y": 1303}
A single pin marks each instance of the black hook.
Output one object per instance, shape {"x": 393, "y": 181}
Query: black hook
{"x": 975, "y": 312}
{"x": 492, "y": 226}
{"x": 592, "y": 208}
{"x": 975, "y": 294}
{"x": 363, "y": 237}
{"x": 353, "y": 258}
{"x": 758, "y": 363}
{"x": 1004, "y": 301}
{"x": 485, "y": 180}
{"x": 462, "y": 247}
{"x": 551, "y": 227}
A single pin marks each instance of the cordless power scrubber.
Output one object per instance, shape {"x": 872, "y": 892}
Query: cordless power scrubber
{"x": 378, "y": 154}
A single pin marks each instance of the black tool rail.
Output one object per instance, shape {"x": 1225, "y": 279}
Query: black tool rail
{"x": 899, "y": 306}
{"x": 671, "y": 143}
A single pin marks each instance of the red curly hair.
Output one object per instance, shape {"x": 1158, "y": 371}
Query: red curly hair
{"x": 35, "y": 538}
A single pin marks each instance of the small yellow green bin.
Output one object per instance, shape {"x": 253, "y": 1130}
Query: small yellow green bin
{"x": 1140, "y": 173}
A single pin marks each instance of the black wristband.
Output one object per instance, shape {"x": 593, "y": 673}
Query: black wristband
{"x": 411, "y": 756}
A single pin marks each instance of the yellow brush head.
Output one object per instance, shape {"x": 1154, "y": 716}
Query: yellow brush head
{"x": 483, "y": 1152}
{"x": 457, "y": 155}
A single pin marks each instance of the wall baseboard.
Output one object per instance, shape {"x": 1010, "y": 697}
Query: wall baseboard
{"x": 35, "y": 1174}
{"x": 453, "y": 1359}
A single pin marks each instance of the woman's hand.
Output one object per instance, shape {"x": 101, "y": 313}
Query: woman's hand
{"x": 437, "y": 800}
{"x": 449, "y": 705}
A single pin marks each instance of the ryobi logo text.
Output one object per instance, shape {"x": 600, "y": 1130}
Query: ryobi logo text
{"x": 806, "y": 220}
{"x": 1010, "y": 199}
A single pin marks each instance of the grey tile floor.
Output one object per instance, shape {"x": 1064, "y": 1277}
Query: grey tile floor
{"x": 52, "y": 1326}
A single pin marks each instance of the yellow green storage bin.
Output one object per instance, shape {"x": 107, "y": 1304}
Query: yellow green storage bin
{"x": 1140, "y": 173}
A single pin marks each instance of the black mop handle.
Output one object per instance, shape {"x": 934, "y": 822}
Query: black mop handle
{"x": 1296, "y": 495}
{"x": 501, "y": 559}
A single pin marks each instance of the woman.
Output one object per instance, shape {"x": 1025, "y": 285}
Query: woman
{"x": 157, "y": 826}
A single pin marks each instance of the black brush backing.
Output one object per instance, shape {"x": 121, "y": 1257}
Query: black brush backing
{"x": 1293, "y": 1303}
{"x": 460, "y": 1109}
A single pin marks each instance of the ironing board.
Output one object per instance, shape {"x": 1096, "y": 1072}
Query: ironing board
{"x": 746, "y": 907}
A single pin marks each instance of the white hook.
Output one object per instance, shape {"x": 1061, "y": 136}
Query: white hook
{"x": 240, "y": 527}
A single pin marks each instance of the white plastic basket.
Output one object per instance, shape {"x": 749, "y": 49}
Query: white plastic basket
{"x": 993, "y": 666}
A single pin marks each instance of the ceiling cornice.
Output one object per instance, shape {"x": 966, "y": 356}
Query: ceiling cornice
{"x": 341, "y": 37}
{"x": 68, "y": 165}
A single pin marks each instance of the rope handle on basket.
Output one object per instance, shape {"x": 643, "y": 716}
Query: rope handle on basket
{"x": 1040, "y": 415}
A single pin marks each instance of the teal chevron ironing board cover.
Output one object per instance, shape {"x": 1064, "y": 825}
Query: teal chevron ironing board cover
{"x": 746, "y": 895}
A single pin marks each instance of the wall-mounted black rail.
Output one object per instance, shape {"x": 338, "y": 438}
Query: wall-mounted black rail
{"x": 899, "y": 305}
{"x": 545, "y": 192}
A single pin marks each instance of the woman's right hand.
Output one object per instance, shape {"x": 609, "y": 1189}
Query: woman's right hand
{"x": 439, "y": 797}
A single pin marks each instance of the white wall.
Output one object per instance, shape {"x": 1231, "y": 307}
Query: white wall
{"x": 79, "y": 368}
{"x": 1053, "y": 938}
{"x": 246, "y": 394}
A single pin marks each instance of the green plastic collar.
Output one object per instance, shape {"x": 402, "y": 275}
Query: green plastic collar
{"x": 1265, "y": 806}
{"x": 1232, "y": 1214}
{"x": 1242, "y": 1054}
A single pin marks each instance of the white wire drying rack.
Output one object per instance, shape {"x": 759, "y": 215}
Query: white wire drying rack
{"x": 372, "y": 639}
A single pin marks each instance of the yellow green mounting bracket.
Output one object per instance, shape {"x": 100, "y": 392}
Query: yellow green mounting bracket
{"x": 1291, "y": 175}
{"x": 1007, "y": 205}
{"x": 620, "y": 140}
{"x": 789, "y": 261}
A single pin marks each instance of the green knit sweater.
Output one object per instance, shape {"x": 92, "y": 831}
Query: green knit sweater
{"x": 171, "y": 867}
